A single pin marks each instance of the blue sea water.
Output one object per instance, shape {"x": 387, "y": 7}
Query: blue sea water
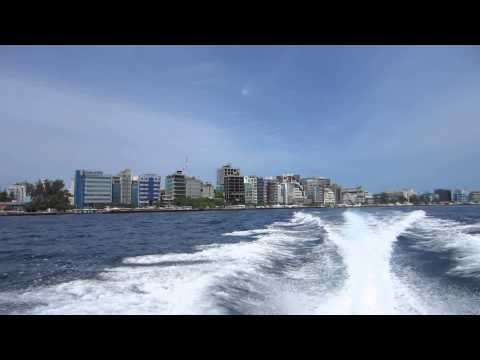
{"x": 398, "y": 260}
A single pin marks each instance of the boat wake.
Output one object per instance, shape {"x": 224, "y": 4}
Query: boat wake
{"x": 308, "y": 265}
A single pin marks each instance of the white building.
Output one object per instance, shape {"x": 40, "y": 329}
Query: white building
{"x": 353, "y": 196}
{"x": 251, "y": 190}
{"x": 17, "y": 192}
{"x": 328, "y": 197}
{"x": 208, "y": 191}
{"x": 291, "y": 193}
{"x": 125, "y": 186}
{"x": 407, "y": 193}
{"x": 369, "y": 198}
{"x": 193, "y": 187}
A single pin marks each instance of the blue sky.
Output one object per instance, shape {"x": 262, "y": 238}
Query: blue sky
{"x": 379, "y": 116}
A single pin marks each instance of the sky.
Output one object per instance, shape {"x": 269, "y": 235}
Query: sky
{"x": 384, "y": 117}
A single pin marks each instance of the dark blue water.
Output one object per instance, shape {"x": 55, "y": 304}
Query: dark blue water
{"x": 356, "y": 261}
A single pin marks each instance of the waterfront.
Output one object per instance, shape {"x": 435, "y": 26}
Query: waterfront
{"x": 399, "y": 260}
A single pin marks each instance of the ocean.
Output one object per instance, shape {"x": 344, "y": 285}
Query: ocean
{"x": 395, "y": 260}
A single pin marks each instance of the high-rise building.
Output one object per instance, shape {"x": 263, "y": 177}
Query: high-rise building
{"x": 91, "y": 188}
{"x": 251, "y": 190}
{"x": 208, "y": 191}
{"x": 175, "y": 186}
{"x": 460, "y": 196}
{"x": 272, "y": 189}
{"x": 337, "y": 189}
{"x": 225, "y": 170}
{"x": 328, "y": 197}
{"x": 353, "y": 196}
{"x": 116, "y": 190}
{"x": 474, "y": 196}
{"x": 193, "y": 187}
{"x": 18, "y": 192}
{"x": 314, "y": 188}
{"x": 291, "y": 193}
{"x": 148, "y": 189}
{"x": 135, "y": 192}
{"x": 234, "y": 189}
{"x": 261, "y": 191}
{"x": 125, "y": 186}
{"x": 443, "y": 195}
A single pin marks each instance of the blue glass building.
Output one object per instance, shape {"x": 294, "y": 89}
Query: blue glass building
{"x": 148, "y": 189}
{"x": 92, "y": 188}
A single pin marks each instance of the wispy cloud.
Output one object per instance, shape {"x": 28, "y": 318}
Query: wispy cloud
{"x": 53, "y": 131}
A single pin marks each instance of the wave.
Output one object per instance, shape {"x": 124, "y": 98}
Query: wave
{"x": 442, "y": 235}
{"x": 310, "y": 264}
{"x": 201, "y": 282}
{"x": 365, "y": 243}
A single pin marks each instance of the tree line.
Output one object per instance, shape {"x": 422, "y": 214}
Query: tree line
{"x": 47, "y": 194}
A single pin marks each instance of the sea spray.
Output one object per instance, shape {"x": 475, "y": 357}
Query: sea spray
{"x": 365, "y": 243}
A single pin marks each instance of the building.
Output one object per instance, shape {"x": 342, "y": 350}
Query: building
{"x": 287, "y": 178}
{"x": 337, "y": 189}
{"x": 116, "y": 190}
{"x": 444, "y": 195}
{"x": 261, "y": 191}
{"x": 208, "y": 191}
{"x": 225, "y": 170}
{"x": 135, "y": 192}
{"x": 234, "y": 189}
{"x": 408, "y": 193}
{"x": 353, "y": 196}
{"x": 397, "y": 195}
{"x": 251, "y": 190}
{"x": 428, "y": 197}
{"x": 314, "y": 188}
{"x": 125, "y": 186}
{"x": 193, "y": 187}
{"x": 18, "y": 193}
{"x": 291, "y": 193}
{"x": 175, "y": 186}
{"x": 474, "y": 196}
{"x": 272, "y": 191}
{"x": 92, "y": 188}
{"x": 148, "y": 189}
{"x": 460, "y": 196}
{"x": 370, "y": 199}
{"x": 328, "y": 197}
{"x": 71, "y": 191}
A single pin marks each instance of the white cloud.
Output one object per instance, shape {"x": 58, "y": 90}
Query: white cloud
{"x": 54, "y": 131}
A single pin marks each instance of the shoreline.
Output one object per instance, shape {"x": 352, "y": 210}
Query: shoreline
{"x": 160, "y": 210}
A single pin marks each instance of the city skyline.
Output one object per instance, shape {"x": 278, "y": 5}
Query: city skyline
{"x": 384, "y": 117}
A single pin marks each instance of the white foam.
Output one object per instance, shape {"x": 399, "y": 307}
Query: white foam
{"x": 440, "y": 235}
{"x": 349, "y": 273}
{"x": 173, "y": 283}
{"x": 250, "y": 232}
{"x": 365, "y": 242}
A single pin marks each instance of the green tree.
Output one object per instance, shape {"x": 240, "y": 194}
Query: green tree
{"x": 49, "y": 194}
{"x": 5, "y": 197}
